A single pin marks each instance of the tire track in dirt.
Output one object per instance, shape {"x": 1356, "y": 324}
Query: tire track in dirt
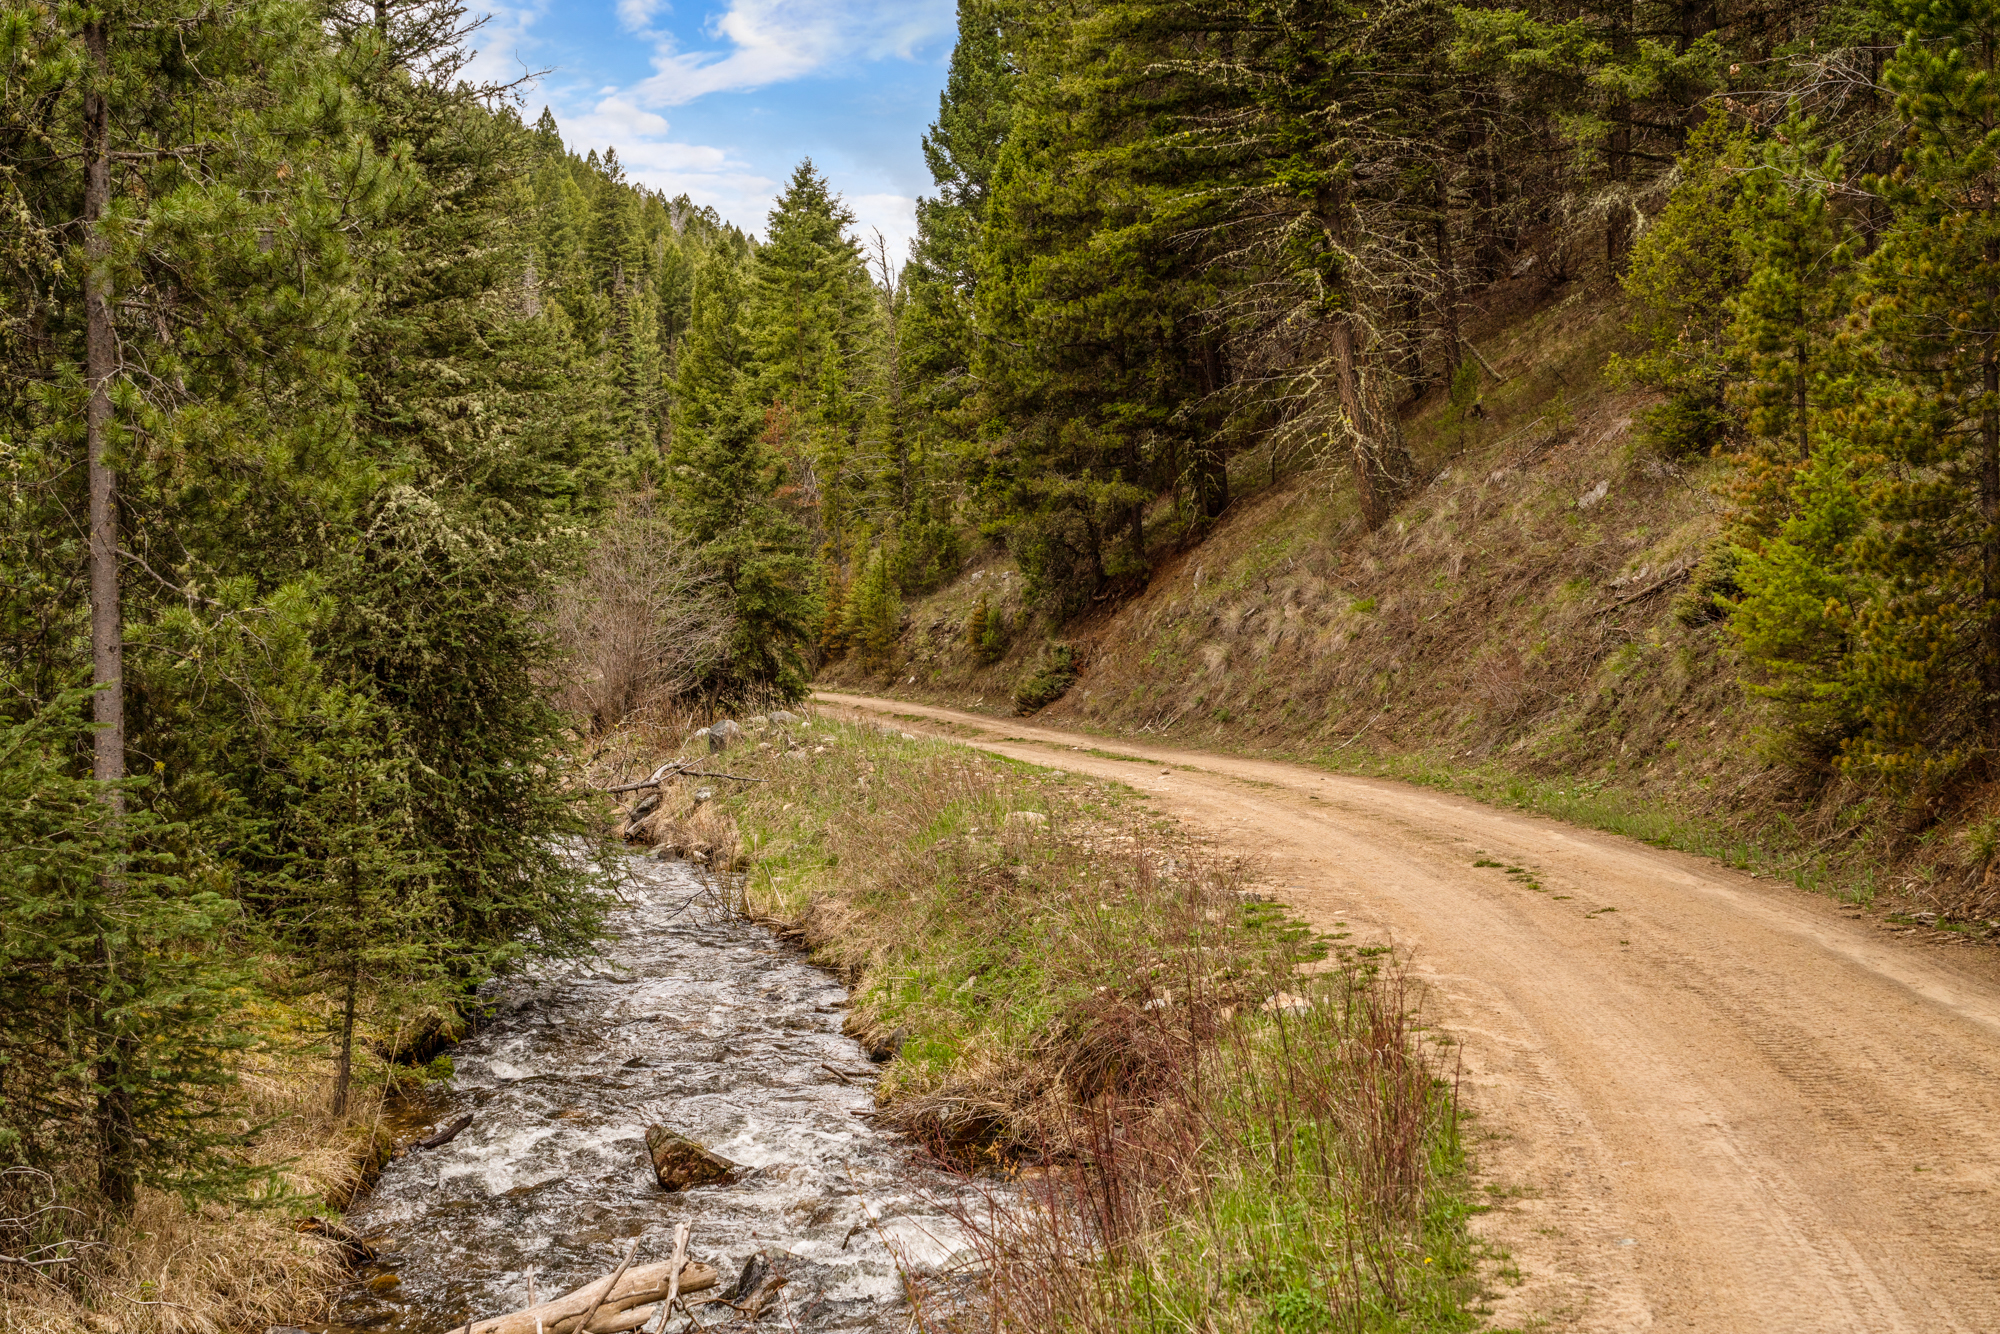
{"x": 1703, "y": 1102}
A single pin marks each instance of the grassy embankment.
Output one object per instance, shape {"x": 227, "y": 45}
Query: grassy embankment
{"x": 1534, "y": 627}
{"x": 1243, "y": 1124}
{"x": 174, "y": 1267}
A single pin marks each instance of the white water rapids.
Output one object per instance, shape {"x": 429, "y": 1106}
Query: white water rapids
{"x": 699, "y": 1021}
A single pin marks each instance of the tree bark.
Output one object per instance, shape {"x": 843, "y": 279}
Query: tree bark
{"x": 117, "y": 1169}
{"x": 344, "y": 1071}
{"x": 1210, "y": 465}
{"x": 1376, "y": 443}
{"x": 1376, "y": 478}
{"x": 100, "y": 356}
{"x": 1799, "y": 403}
{"x": 1989, "y": 514}
{"x": 1447, "y": 262}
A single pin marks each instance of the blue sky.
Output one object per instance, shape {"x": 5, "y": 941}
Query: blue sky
{"x": 721, "y": 98}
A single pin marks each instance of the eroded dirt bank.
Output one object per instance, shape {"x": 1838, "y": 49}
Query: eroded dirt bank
{"x": 1706, "y": 1102}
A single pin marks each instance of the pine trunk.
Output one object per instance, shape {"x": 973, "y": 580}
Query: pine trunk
{"x": 1799, "y": 404}
{"x": 1447, "y": 266}
{"x": 117, "y": 1174}
{"x": 344, "y": 1069}
{"x": 1210, "y": 463}
{"x": 100, "y": 352}
{"x": 1374, "y": 479}
{"x": 1989, "y": 514}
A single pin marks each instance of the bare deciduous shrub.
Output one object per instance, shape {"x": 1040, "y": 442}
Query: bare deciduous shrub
{"x": 1289, "y": 1167}
{"x": 638, "y": 624}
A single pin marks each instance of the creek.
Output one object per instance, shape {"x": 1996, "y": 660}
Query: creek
{"x": 695, "y": 1019}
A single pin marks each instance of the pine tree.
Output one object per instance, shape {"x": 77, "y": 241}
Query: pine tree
{"x": 1800, "y": 282}
{"x": 210, "y": 265}
{"x": 874, "y": 612}
{"x": 810, "y": 312}
{"x": 1872, "y": 581}
{"x": 1681, "y": 274}
{"x": 485, "y": 462}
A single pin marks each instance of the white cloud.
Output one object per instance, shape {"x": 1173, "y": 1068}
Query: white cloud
{"x": 772, "y": 41}
{"x": 636, "y": 15}
{"x": 706, "y": 174}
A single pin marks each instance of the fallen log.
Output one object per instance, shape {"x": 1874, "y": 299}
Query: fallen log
{"x": 642, "y": 1285}
{"x": 670, "y": 767}
{"x": 632, "y": 1319}
{"x": 442, "y": 1137}
{"x": 617, "y": 1274}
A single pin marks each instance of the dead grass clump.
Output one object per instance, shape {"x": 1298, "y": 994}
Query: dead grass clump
{"x": 1294, "y": 1169}
{"x": 173, "y": 1266}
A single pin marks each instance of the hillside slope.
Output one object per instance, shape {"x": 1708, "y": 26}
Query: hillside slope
{"x": 1533, "y": 626}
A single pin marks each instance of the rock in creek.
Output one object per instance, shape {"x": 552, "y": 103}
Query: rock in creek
{"x": 679, "y": 1162}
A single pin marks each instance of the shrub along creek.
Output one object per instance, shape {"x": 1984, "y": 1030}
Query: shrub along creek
{"x": 695, "y": 1025}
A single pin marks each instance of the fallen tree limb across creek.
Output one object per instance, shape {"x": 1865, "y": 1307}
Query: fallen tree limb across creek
{"x": 643, "y": 1286}
{"x": 670, "y": 771}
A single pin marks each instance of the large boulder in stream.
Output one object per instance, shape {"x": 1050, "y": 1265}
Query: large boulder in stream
{"x": 680, "y": 1163}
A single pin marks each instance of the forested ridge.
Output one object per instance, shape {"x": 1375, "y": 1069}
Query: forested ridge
{"x": 367, "y": 451}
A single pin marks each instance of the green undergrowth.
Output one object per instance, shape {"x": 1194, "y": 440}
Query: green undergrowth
{"x": 1072, "y": 988}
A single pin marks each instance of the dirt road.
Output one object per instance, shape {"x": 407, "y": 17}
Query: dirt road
{"x": 1704, "y": 1102}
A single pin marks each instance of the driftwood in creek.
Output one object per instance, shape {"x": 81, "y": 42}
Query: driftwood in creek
{"x": 444, "y": 1136}
{"x": 617, "y": 1304}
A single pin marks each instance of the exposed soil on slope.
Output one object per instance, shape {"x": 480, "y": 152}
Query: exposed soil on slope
{"x": 1705, "y": 1101}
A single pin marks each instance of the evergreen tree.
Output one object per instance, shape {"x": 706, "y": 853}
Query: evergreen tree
{"x": 810, "y": 312}
{"x": 1872, "y": 581}
{"x": 874, "y": 612}
{"x": 1682, "y": 273}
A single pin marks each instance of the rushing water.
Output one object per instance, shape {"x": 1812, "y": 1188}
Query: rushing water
{"x": 696, "y": 1020}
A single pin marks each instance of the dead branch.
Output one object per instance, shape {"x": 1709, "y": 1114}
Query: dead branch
{"x": 670, "y": 767}
{"x": 623, "y": 1265}
{"x": 444, "y": 1136}
{"x": 611, "y": 1301}
{"x": 1668, "y": 581}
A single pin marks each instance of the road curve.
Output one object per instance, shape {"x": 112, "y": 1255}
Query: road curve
{"x": 1704, "y": 1102}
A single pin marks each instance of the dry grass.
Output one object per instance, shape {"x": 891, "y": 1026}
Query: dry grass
{"x": 171, "y": 1267}
{"x": 1293, "y": 1171}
